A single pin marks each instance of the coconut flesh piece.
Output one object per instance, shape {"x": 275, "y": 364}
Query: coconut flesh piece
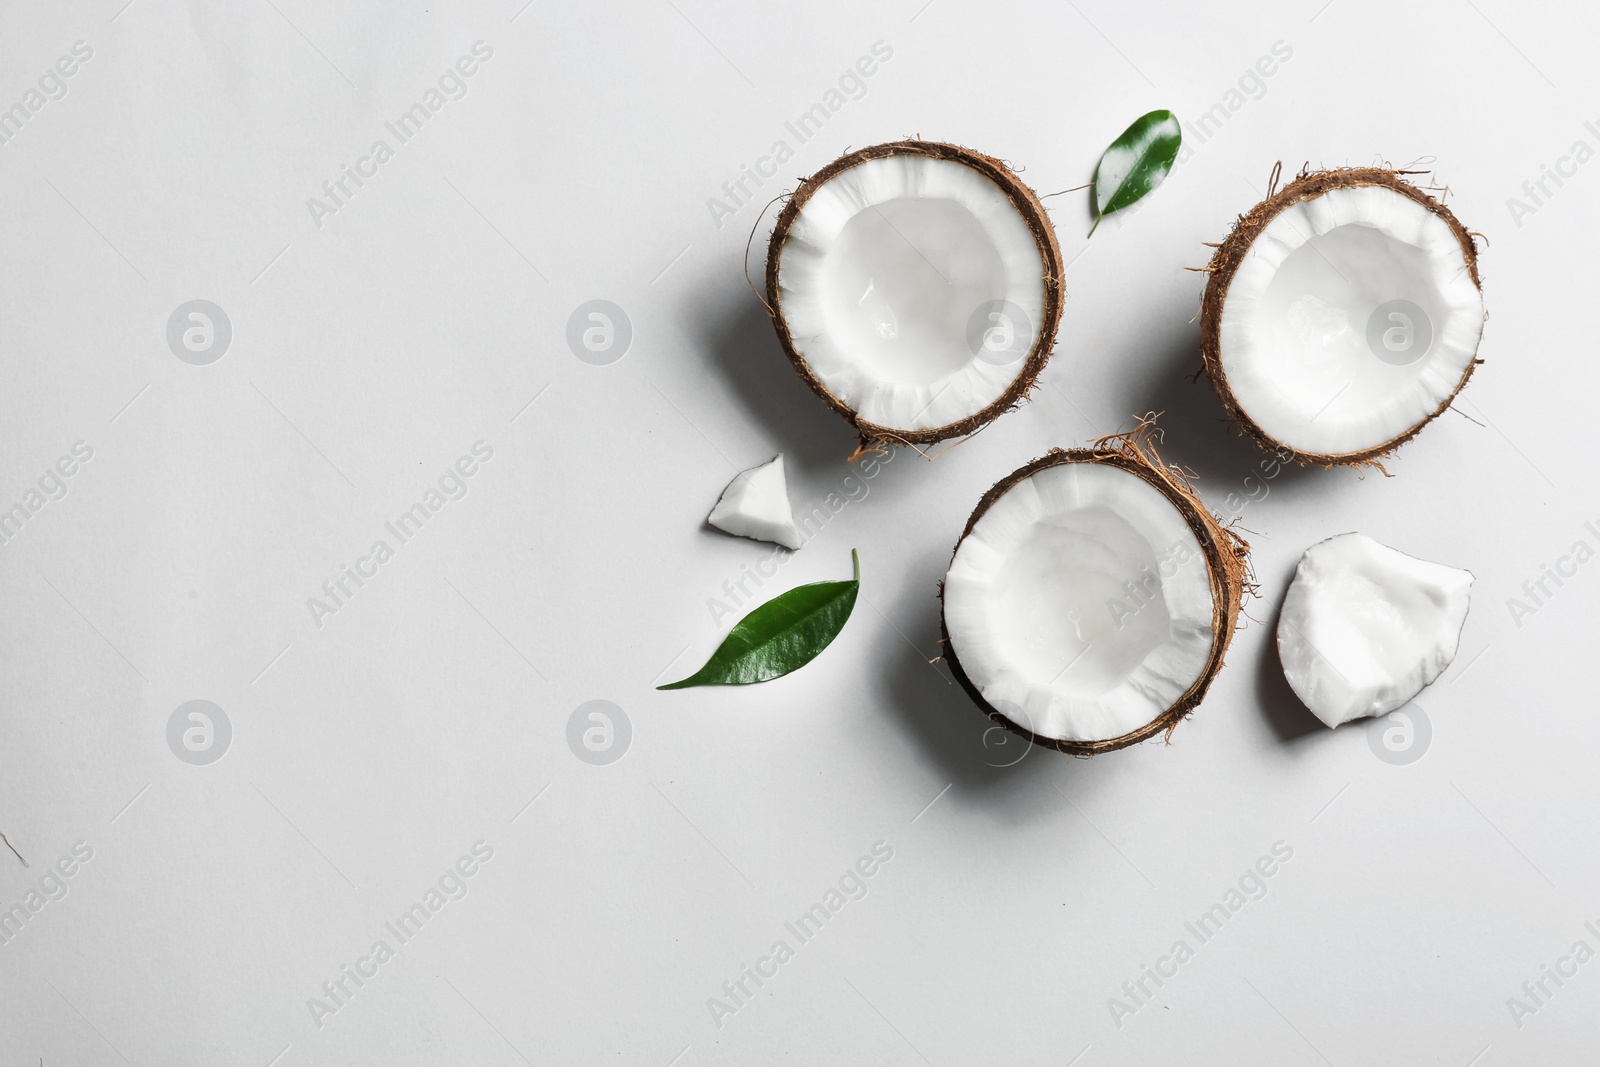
{"x": 1082, "y": 607}
{"x": 1346, "y": 321}
{"x": 1365, "y": 628}
{"x": 916, "y": 289}
{"x": 756, "y": 505}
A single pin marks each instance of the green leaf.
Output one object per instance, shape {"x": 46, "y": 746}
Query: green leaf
{"x": 1136, "y": 162}
{"x": 780, "y": 636}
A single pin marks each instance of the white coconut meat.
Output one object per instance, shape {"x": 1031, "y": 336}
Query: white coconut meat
{"x": 913, "y": 289}
{"x": 1350, "y": 321}
{"x": 756, "y": 505}
{"x": 1365, "y": 627}
{"x": 1080, "y": 603}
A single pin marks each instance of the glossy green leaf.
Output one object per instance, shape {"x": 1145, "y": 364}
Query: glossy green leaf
{"x": 780, "y": 636}
{"x": 1136, "y": 162}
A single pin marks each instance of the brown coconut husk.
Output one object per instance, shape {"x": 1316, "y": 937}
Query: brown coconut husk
{"x": 1308, "y": 185}
{"x": 1227, "y": 557}
{"x": 1028, "y": 206}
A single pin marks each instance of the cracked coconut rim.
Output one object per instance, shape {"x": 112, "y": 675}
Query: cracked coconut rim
{"x": 1090, "y": 599}
{"x": 916, "y": 288}
{"x": 1342, "y": 315}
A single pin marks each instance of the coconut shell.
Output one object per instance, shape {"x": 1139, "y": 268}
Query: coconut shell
{"x": 1231, "y": 253}
{"x": 1033, "y": 213}
{"x": 1227, "y": 566}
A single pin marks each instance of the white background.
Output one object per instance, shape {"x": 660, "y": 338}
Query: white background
{"x": 372, "y": 751}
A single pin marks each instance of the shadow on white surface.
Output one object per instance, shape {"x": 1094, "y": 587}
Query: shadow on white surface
{"x": 737, "y": 333}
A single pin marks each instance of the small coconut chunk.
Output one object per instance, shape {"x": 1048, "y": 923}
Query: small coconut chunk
{"x": 1365, "y": 628}
{"x": 756, "y": 505}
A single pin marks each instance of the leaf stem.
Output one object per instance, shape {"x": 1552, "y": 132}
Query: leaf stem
{"x": 1075, "y": 188}
{"x": 780, "y": 636}
{"x": 1095, "y": 227}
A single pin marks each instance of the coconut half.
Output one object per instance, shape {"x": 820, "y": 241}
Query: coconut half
{"x": 1365, "y": 627}
{"x": 1342, "y": 315}
{"x": 916, "y": 288}
{"x": 1091, "y": 598}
